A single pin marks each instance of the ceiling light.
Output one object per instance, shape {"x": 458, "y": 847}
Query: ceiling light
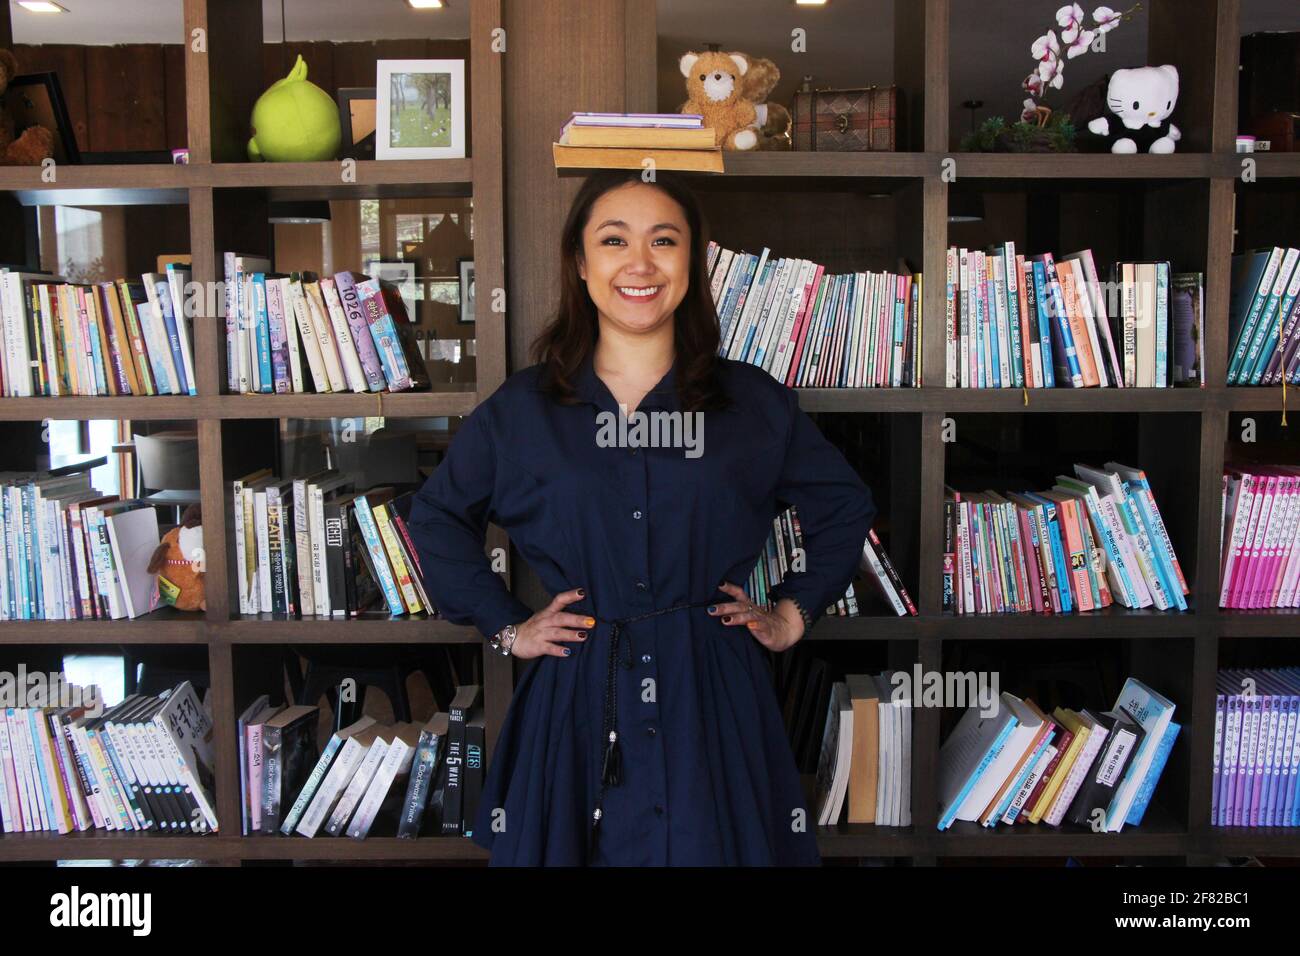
{"x": 425, "y": 4}
{"x": 41, "y": 6}
{"x": 810, "y": 3}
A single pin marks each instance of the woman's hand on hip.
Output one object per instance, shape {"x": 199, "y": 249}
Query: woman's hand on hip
{"x": 778, "y": 629}
{"x": 547, "y": 630}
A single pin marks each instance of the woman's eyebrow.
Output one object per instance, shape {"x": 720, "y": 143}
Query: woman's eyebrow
{"x": 621, "y": 224}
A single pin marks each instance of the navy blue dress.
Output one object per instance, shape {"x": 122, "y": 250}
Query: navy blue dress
{"x": 708, "y": 776}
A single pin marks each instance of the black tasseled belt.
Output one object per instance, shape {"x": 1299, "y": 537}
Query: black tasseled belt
{"x": 611, "y": 765}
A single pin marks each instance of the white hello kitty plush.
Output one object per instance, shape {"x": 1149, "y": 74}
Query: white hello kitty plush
{"x": 1142, "y": 100}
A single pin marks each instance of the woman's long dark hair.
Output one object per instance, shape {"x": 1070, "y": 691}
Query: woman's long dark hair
{"x": 571, "y": 336}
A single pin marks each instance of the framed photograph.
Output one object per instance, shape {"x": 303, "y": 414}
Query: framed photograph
{"x": 402, "y": 275}
{"x": 420, "y": 109}
{"x": 357, "y": 120}
{"x": 466, "y": 290}
{"x": 36, "y": 99}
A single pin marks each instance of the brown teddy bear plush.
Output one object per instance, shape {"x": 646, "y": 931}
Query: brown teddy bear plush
{"x": 715, "y": 89}
{"x": 178, "y": 562}
{"x": 772, "y": 119}
{"x": 36, "y": 143}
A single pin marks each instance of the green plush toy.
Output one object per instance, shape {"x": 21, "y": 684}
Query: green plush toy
{"x": 295, "y": 121}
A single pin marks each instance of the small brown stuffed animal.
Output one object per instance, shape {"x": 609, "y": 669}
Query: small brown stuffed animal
{"x": 772, "y": 120}
{"x": 36, "y": 143}
{"x": 178, "y": 562}
{"x": 715, "y": 90}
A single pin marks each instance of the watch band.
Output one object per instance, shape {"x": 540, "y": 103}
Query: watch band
{"x": 504, "y": 640}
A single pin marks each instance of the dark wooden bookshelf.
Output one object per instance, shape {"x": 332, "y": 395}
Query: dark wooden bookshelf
{"x": 514, "y": 115}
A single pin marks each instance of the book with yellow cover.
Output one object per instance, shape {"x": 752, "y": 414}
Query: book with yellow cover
{"x": 612, "y": 157}
{"x": 1070, "y": 720}
{"x": 639, "y": 137}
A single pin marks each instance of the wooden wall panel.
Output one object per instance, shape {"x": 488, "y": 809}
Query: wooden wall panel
{"x": 592, "y": 34}
{"x": 125, "y": 97}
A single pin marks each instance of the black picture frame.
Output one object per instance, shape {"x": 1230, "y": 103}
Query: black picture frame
{"x": 365, "y": 149}
{"x": 37, "y": 99}
{"x": 465, "y": 269}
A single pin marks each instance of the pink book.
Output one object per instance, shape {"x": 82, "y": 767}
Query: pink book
{"x": 1029, "y": 526}
{"x": 1287, "y": 594}
{"x": 1247, "y": 508}
{"x": 1265, "y": 587}
{"x": 1238, "y": 492}
{"x": 800, "y": 334}
{"x": 254, "y": 747}
{"x": 1255, "y": 556}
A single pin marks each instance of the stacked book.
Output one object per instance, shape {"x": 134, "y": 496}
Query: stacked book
{"x": 866, "y": 754}
{"x": 1018, "y": 764}
{"x": 303, "y": 332}
{"x": 104, "y": 338}
{"x": 813, "y": 329}
{"x": 1256, "y": 752}
{"x": 1015, "y": 321}
{"x": 1264, "y": 317}
{"x": 402, "y": 779}
{"x": 311, "y": 546}
{"x": 631, "y": 140}
{"x": 1259, "y": 562}
{"x": 785, "y": 544}
{"x": 142, "y": 765}
{"x": 1090, "y": 541}
{"x": 72, "y": 554}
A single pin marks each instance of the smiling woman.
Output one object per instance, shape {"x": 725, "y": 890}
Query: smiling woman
{"x": 646, "y": 730}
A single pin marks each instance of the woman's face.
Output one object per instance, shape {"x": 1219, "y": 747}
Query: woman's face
{"x": 636, "y": 255}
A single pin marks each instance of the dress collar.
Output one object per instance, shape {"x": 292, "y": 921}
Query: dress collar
{"x": 592, "y": 388}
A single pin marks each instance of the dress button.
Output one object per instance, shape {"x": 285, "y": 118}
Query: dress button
{"x": 634, "y": 451}
{"x": 659, "y": 810}
{"x": 636, "y": 514}
{"x": 645, "y": 658}
{"x": 641, "y": 586}
{"x": 651, "y": 731}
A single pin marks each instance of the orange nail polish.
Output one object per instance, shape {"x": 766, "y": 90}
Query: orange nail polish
{"x": 591, "y": 622}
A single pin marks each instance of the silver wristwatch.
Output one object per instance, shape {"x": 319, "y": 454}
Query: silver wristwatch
{"x": 504, "y": 639}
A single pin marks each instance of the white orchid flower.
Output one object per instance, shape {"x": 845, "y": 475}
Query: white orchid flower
{"x": 1071, "y": 21}
{"x": 1107, "y": 19}
{"x": 1045, "y": 45}
{"x": 1080, "y": 44}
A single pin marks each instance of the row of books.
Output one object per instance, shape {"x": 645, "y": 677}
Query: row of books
{"x": 1264, "y": 317}
{"x": 103, "y": 338}
{"x": 145, "y": 764}
{"x": 1097, "y": 770}
{"x": 627, "y": 140}
{"x": 1258, "y": 557}
{"x": 1016, "y": 321}
{"x": 786, "y": 542}
{"x": 1094, "y": 539}
{"x": 312, "y": 546}
{"x": 866, "y": 754}
{"x": 72, "y": 554}
{"x": 303, "y": 332}
{"x": 403, "y": 779}
{"x": 811, "y": 328}
{"x": 1256, "y": 749}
